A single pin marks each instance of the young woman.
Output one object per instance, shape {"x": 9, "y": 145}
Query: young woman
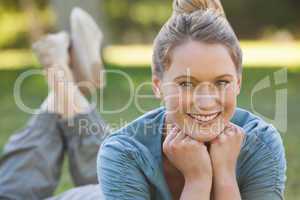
{"x": 199, "y": 145}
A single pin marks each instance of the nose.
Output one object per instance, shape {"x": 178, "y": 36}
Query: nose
{"x": 206, "y": 102}
{"x": 205, "y": 98}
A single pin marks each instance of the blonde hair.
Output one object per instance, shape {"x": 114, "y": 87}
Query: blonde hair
{"x": 189, "y": 6}
{"x": 196, "y": 20}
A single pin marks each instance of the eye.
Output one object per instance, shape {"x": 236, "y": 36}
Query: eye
{"x": 186, "y": 84}
{"x": 222, "y": 83}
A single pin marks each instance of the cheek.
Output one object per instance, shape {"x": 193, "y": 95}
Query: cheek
{"x": 229, "y": 103}
{"x": 171, "y": 98}
{"x": 177, "y": 99}
{"x": 186, "y": 101}
{"x": 176, "y": 103}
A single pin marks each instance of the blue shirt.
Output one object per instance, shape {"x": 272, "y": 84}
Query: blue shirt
{"x": 130, "y": 166}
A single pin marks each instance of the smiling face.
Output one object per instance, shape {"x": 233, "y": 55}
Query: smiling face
{"x": 199, "y": 88}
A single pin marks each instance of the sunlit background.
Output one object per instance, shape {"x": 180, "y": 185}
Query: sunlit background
{"x": 269, "y": 32}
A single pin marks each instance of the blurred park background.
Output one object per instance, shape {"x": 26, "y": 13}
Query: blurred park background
{"x": 269, "y": 32}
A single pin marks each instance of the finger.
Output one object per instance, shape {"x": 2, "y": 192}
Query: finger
{"x": 179, "y": 137}
{"x": 203, "y": 136}
{"x": 234, "y": 127}
{"x": 234, "y": 130}
{"x": 186, "y": 139}
{"x": 222, "y": 138}
{"x": 170, "y": 136}
{"x": 226, "y": 128}
{"x": 238, "y": 129}
{"x": 190, "y": 140}
{"x": 239, "y": 132}
{"x": 230, "y": 131}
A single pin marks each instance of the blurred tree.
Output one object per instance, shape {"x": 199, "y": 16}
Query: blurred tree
{"x": 16, "y": 4}
{"x": 138, "y": 21}
{"x": 251, "y": 17}
{"x": 64, "y": 8}
{"x": 34, "y": 23}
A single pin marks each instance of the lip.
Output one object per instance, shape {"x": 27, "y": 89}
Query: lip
{"x": 204, "y": 114}
{"x": 205, "y": 122}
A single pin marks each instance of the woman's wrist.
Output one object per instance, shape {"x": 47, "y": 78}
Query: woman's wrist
{"x": 225, "y": 187}
{"x": 204, "y": 182}
{"x": 222, "y": 177}
{"x": 195, "y": 187}
{"x": 224, "y": 182}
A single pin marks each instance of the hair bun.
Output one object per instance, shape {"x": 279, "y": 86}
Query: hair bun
{"x": 189, "y": 6}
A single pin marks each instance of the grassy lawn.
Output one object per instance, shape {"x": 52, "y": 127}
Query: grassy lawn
{"x": 35, "y": 90}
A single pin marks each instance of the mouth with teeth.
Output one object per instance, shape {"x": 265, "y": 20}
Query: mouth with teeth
{"x": 207, "y": 118}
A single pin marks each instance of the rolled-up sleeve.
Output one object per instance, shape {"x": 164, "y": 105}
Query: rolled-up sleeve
{"x": 264, "y": 167}
{"x": 119, "y": 175}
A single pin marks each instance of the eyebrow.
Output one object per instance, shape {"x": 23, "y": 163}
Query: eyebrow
{"x": 195, "y": 79}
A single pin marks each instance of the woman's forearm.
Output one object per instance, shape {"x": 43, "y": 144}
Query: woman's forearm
{"x": 196, "y": 189}
{"x": 226, "y": 188}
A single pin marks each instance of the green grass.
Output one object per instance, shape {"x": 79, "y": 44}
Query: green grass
{"x": 116, "y": 93}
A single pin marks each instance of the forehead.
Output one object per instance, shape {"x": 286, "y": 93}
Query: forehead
{"x": 201, "y": 60}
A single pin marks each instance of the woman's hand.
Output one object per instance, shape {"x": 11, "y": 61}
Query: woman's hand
{"x": 192, "y": 159}
{"x": 224, "y": 152}
{"x": 188, "y": 155}
{"x": 225, "y": 149}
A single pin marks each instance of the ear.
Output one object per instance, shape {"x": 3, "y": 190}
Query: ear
{"x": 156, "y": 86}
{"x": 239, "y": 84}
